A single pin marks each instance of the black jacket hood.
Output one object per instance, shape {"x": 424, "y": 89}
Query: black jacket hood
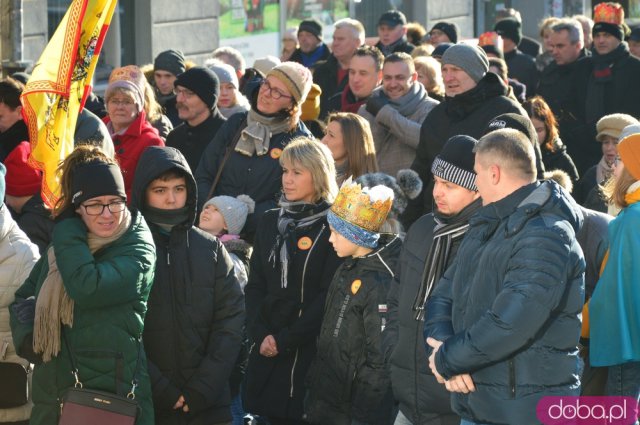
{"x": 154, "y": 161}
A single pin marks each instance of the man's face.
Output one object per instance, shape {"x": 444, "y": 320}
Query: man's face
{"x": 450, "y": 198}
{"x": 437, "y": 37}
{"x": 363, "y": 76}
{"x": 456, "y": 81}
{"x": 397, "y": 79}
{"x": 562, "y": 50}
{"x": 307, "y": 41}
{"x": 508, "y": 45}
{"x": 634, "y": 48}
{"x": 344, "y": 43}
{"x": 484, "y": 181}
{"x": 389, "y": 35}
{"x": 604, "y": 42}
{"x": 167, "y": 194}
{"x": 190, "y": 107}
{"x": 164, "y": 81}
{"x": 8, "y": 116}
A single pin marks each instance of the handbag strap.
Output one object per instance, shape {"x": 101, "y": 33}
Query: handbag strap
{"x": 230, "y": 147}
{"x": 74, "y": 367}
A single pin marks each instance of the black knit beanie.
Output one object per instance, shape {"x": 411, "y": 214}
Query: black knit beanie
{"x": 615, "y": 30}
{"x": 515, "y": 122}
{"x": 509, "y": 28}
{"x": 171, "y": 61}
{"x": 203, "y": 82}
{"x": 450, "y": 29}
{"x": 312, "y": 26}
{"x": 96, "y": 179}
{"x": 455, "y": 162}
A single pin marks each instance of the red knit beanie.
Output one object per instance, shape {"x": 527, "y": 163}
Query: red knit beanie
{"x": 21, "y": 179}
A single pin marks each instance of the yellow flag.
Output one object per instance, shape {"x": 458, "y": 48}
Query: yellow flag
{"x": 59, "y": 85}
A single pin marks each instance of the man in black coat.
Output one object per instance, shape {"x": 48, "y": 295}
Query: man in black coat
{"x": 392, "y": 31}
{"x": 197, "y": 93}
{"x": 166, "y": 67}
{"x": 312, "y": 49}
{"x": 522, "y": 67}
{"x": 473, "y": 98}
{"x": 193, "y": 328}
{"x": 429, "y": 248}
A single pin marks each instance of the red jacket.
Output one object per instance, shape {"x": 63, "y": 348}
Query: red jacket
{"x": 130, "y": 144}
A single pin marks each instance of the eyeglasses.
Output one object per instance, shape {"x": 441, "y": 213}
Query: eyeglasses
{"x": 185, "y": 92}
{"x": 98, "y": 209}
{"x": 273, "y": 92}
{"x": 118, "y": 102}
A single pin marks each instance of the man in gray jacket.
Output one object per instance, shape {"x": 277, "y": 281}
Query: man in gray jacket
{"x": 395, "y": 112}
{"x": 429, "y": 247}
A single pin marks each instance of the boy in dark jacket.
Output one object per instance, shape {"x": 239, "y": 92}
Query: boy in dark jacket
{"x": 349, "y": 382}
{"x": 193, "y": 329}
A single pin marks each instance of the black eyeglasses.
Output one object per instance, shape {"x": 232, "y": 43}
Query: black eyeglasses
{"x": 273, "y": 92}
{"x": 98, "y": 209}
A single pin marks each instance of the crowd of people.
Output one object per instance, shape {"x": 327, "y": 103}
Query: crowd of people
{"x": 424, "y": 231}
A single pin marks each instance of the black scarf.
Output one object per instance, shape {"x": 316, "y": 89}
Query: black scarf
{"x": 446, "y": 231}
{"x": 603, "y": 66}
{"x": 293, "y": 216}
{"x": 166, "y": 219}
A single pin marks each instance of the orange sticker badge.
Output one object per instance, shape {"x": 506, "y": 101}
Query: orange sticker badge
{"x": 275, "y": 153}
{"x": 304, "y": 243}
{"x": 355, "y": 286}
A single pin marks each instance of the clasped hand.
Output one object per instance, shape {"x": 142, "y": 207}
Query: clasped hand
{"x": 457, "y": 384}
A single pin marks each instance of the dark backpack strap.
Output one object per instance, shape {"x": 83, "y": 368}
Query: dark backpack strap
{"x": 230, "y": 147}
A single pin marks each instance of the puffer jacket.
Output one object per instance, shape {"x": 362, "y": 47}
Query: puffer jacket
{"x": 515, "y": 325}
{"x": 17, "y": 257}
{"x": 293, "y": 314}
{"x": 193, "y": 330}
{"x": 349, "y": 379}
{"x": 110, "y": 290}
{"x": 559, "y": 159}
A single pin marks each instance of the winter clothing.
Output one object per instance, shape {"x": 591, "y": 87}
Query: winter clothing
{"x": 530, "y": 46}
{"x": 405, "y": 185}
{"x": 110, "y": 290}
{"x": 471, "y": 59}
{"x": 267, "y": 63}
{"x": 396, "y": 127}
{"x": 297, "y": 79}
{"x": 21, "y": 179}
{"x": 169, "y": 107}
{"x": 400, "y": 45}
{"x": 325, "y": 75}
{"x": 292, "y": 314}
{"x": 629, "y": 152}
{"x": 96, "y": 179}
{"x": 195, "y": 306}
{"x": 18, "y": 258}
{"x": 203, "y": 82}
{"x": 523, "y": 317}
{"x": 554, "y": 86}
{"x": 523, "y": 68}
{"x": 192, "y": 141}
{"x": 348, "y": 379}
{"x": 129, "y": 78}
{"x": 225, "y": 74}
{"x": 509, "y": 28}
{"x": 12, "y": 137}
{"x": 559, "y": 159}
{"x": 312, "y": 26}
{"x": 163, "y": 125}
{"x": 345, "y": 101}
{"x": 421, "y": 398}
{"x": 467, "y": 113}
{"x": 440, "y": 50}
{"x": 455, "y": 162}
{"x": 449, "y": 28}
{"x": 233, "y": 210}
{"x": 259, "y": 177}
{"x": 392, "y": 18}
{"x": 613, "y": 125}
{"x": 609, "y": 17}
{"x": 593, "y": 238}
{"x": 35, "y": 220}
{"x": 91, "y": 129}
{"x": 320, "y": 53}
{"x": 170, "y": 60}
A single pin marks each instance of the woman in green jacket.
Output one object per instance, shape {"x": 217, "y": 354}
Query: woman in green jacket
{"x": 88, "y": 294}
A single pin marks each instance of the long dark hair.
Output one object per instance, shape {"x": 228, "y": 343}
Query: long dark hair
{"x": 537, "y": 108}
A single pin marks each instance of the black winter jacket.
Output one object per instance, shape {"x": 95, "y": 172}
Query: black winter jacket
{"x": 35, "y": 220}
{"x": 349, "y": 379}
{"x": 193, "y": 141}
{"x": 403, "y": 46}
{"x": 559, "y": 159}
{"x": 508, "y": 309}
{"x": 523, "y": 68}
{"x": 325, "y": 75}
{"x": 467, "y": 113}
{"x": 274, "y": 386}
{"x": 193, "y": 328}
{"x": 260, "y": 177}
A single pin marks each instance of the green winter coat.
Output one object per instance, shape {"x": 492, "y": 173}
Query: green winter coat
{"x": 110, "y": 292}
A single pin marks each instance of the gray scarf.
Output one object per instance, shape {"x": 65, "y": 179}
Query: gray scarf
{"x": 255, "y": 138}
{"x": 409, "y": 103}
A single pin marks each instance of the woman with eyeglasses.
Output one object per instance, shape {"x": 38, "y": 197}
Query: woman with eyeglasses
{"x": 243, "y": 157}
{"x": 85, "y": 299}
{"x": 127, "y": 121}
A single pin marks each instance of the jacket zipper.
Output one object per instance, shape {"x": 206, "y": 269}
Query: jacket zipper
{"x": 512, "y": 378}
{"x": 304, "y": 273}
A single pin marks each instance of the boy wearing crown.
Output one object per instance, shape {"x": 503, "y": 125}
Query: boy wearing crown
{"x": 349, "y": 382}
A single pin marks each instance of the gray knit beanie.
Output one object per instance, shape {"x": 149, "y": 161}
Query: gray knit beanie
{"x": 471, "y": 59}
{"x": 234, "y": 210}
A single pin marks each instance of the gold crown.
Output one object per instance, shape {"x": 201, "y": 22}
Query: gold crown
{"x": 490, "y": 38}
{"x": 611, "y": 13}
{"x": 355, "y": 206}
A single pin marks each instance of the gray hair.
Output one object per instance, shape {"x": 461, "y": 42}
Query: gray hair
{"x": 230, "y": 56}
{"x": 314, "y": 156}
{"x": 511, "y": 150}
{"x": 573, "y": 27}
{"x": 354, "y": 25}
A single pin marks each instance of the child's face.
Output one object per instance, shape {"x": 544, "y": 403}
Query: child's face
{"x": 168, "y": 194}
{"x": 212, "y": 221}
{"x": 343, "y": 246}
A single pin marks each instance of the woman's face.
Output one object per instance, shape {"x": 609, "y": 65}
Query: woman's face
{"x": 334, "y": 141}
{"x": 212, "y": 221}
{"x": 541, "y": 130}
{"x": 273, "y": 97}
{"x": 546, "y": 39}
{"x": 618, "y": 166}
{"x": 423, "y": 77}
{"x": 227, "y": 97}
{"x": 609, "y": 149}
{"x": 297, "y": 183}
{"x": 105, "y": 223}
{"x": 122, "y": 110}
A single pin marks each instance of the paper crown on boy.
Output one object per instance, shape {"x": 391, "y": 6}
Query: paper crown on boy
{"x": 358, "y": 213}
